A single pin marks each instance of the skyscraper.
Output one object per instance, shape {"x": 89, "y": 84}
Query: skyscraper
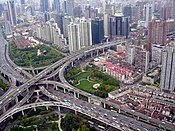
{"x": 68, "y": 7}
{"x": 22, "y": 2}
{"x": 74, "y": 36}
{"x": 97, "y": 30}
{"x": 81, "y": 29}
{"x": 56, "y": 5}
{"x": 168, "y": 69}
{"x": 157, "y": 32}
{"x": 147, "y": 13}
{"x": 85, "y": 32}
{"x": 12, "y": 12}
{"x": 173, "y": 9}
{"x": 44, "y": 5}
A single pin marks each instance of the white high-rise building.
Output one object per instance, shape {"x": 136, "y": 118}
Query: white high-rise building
{"x": 74, "y": 36}
{"x": 85, "y": 32}
{"x": 168, "y": 69}
{"x": 81, "y": 29}
{"x": 66, "y": 22}
{"x": 147, "y": 13}
{"x": 106, "y": 25}
{"x": 12, "y": 12}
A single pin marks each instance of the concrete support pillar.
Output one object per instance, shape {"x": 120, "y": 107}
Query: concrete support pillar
{"x": 22, "y": 112}
{"x": 27, "y": 90}
{"x": 75, "y": 112}
{"x": 56, "y": 87}
{"x": 138, "y": 118}
{"x": 97, "y": 52}
{"x": 103, "y": 50}
{"x": 85, "y": 55}
{"x": 47, "y": 86}
{"x": 11, "y": 117}
{"x": 47, "y": 108}
{"x": 78, "y": 95}
{"x": 4, "y": 109}
{"x": 16, "y": 99}
{"x": 59, "y": 109}
{"x": 89, "y": 100}
{"x": 119, "y": 111}
{"x": 91, "y": 54}
{"x": 72, "y": 64}
{"x": 37, "y": 93}
{"x": 74, "y": 94}
{"x": 34, "y": 108}
{"x": 64, "y": 90}
{"x": 104, "y": 105}
{"x": 37, "y": 71}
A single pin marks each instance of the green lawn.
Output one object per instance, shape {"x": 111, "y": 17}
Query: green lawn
{"x": 28, "y": 56}
{"x": 82, "y": 75}
{"x": 86, "y": 86}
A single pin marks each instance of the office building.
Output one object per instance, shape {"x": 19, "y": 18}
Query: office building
{"x": 127, "y": 11}
{"x": 12, "y": 12}
{"x": 97, "y": 30}
{"x": 119, "y": 26}
{"x": 168, "y": 69}
{"x": 44, "y": 5}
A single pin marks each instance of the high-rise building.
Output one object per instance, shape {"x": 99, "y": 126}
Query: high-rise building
{"x": 157, "y": 32}
{"x": 80, "y": 28}
{"x": 44, "y": 5}
{"x": 66, "y": 22}
{"x": 142, "y": 58}
{"x": 74, "y": 37}
{"x": 125, "y": 27}
{"x": 85, "y": 32}
{"x": 106, "y": 24}
{"x": 68, "y": 7}
{"x": 118, "y": 26}
{"x": 130, "y": 54}
{"x": 56, "y": 6}
{"x": 147, "y": 13}
{"x": 173, "y": 9}
{"x": 12, "y": 12}
{"x": 22, "y": 2}
{"x": 1, "y": 9}
{"x": 127, "y": 11}
{"x": 97, "y": 30}
{"x": 168, "y": 69}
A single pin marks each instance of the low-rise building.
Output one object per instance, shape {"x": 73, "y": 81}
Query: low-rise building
{"x": 152, "y": 77}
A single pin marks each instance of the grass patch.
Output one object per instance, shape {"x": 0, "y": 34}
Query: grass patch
{"x": 82, "y": 75}
{"x": 86, "y": 86}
